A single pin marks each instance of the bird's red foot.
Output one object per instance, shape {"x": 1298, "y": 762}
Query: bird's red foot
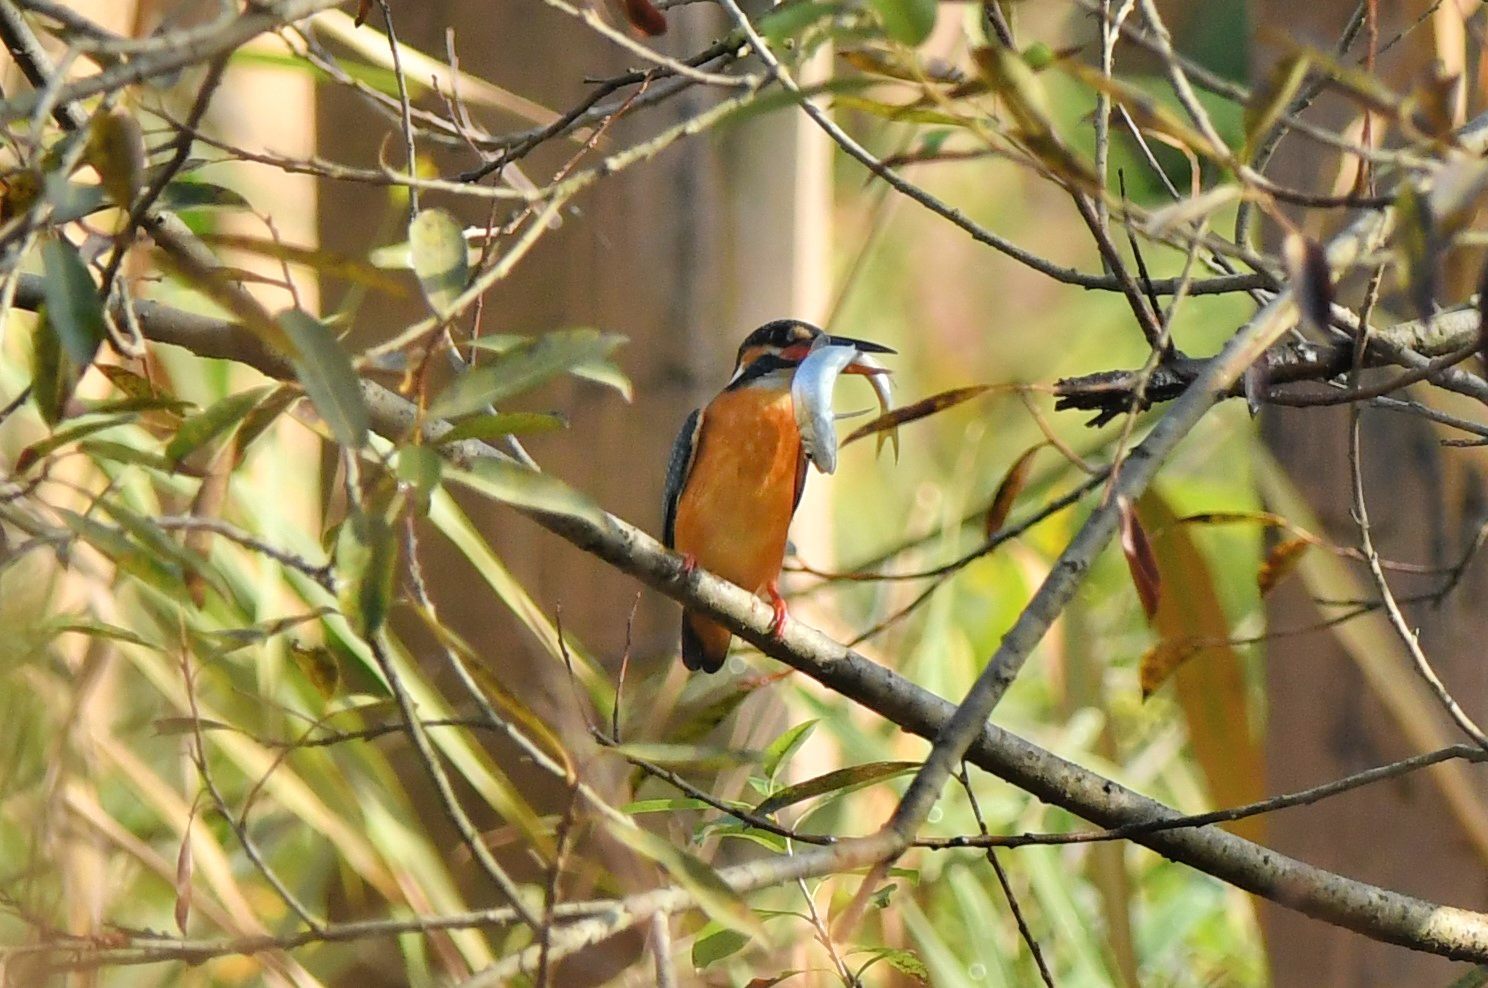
{"x": 777, "y": 604}
{"x": 689, "y": 564}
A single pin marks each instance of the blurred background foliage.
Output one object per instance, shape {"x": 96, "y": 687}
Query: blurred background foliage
{"x": 113, "y": 689}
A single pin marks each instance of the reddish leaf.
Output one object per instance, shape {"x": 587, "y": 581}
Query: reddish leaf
{"x": 917, "y": 410}
{"x": 1280, "y": 563}
{"x": 644, "y": 17}
{"x": 1007, "y": 492}
{"x": 363, "y": 9}
{"x": 1139, "y": 557}
{"x": 1312, "y": 283}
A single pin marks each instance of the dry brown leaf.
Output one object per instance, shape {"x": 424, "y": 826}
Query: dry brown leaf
{"x": 1280, "y": 562}
{"x": 917, "y": 410}
{"x": 184, "y": 869}
{"x": 1012, "y": 485}
{"x": 1162, "y": 660}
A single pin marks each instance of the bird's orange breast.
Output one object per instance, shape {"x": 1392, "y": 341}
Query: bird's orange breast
{"x": 735, "y": 508}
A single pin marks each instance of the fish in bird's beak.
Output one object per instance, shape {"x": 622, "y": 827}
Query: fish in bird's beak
{"x": 814, "y": 383}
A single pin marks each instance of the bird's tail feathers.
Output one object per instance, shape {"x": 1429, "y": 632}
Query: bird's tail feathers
{"x": 704, "y": 644}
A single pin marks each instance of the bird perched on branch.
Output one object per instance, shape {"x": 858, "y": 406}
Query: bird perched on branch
{"x": 738, "y": 468}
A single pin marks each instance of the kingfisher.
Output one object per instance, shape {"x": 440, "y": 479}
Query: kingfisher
{"x": 736, "y": 474}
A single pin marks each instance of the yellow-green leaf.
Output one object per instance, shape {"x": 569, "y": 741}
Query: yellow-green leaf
{"x": 437, "y": 250}
{"x": 1210, "y": 685}
{"x": 852, "y": 777}
{"x": 325, "y": 369}
{"x": 523, "y": 368}
{"x": 526, "y": 488}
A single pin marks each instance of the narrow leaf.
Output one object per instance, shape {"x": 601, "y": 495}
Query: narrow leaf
{"x": 74, "y": 311}
{"x": 852, "y": 777}
{"x": 522, "y": 369}
{"x": 212, "y": 422}
{"x": 781, "y": 749}
{"x": 1139, "y": 558}
{"x": 184, "y": 195}
{"x": 1211, "y": 685}
{"x": 526, "y": 488}
{"x": 184, "y": 871}
{"x": 1008, "y": 490}
{"x": 38, "y": 450}
{"x": 917, "y": 410}
{"x": 1269, "y": 100}
{"x": 436, "y": 246}
{"x": 325, "y": 369}
{"x": 366, "y": 560}
{"x": 1420, "y": 247}
{"x": 421, "y": 469}
{"x": 493, "y": 425}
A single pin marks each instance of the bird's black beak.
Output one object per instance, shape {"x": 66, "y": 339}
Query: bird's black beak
{"x": 862, "y": 346}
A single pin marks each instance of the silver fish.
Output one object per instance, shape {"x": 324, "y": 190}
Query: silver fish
{"x": 812, "y": 388}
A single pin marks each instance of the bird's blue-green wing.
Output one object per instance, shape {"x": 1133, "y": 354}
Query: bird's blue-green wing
{"x": 683, "y": 451}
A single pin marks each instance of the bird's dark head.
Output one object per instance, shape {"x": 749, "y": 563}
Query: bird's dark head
{"x": 771, "y": 353}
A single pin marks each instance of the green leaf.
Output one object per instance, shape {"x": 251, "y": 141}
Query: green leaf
{"x": 494, "y": 424}
{"x": 264, "y": 415}
{"x": 605, "y": 372}
{"x": 366, "y": 561}
{"x": 715, "y": 942}
{"x": 436, "y": 247}
{"x": 104, "y": 449}
{"x": 904, "y": 961}
{"x": 526, "y": 488}
{"x": 784, "y": 746}
{"x": 74, "y": 311}
{"x": 522, "y": 369}
{"x": 96, "y": 629}
{"x": 184, "y": 195}
{"x": 696, "y": 718}
{"x": 116, "y": 150}
{"x": 52, "y": 375}
{"x": 789, "y": 19}
{"x": 420, "y": 468}
{"x": 212, "y": 422}
{"x": 907, "y": 21}
{"x": 159, "y": 544}
{"x": 674, "y": 804}
{"x": 324, "y": 368}
{"x": 721, "y": 903}
{"x": 39, "y": 449}
{"x": 1269, "y": 100}
{"x": 852, "y": 777}
{"x": 126, "y": 555}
